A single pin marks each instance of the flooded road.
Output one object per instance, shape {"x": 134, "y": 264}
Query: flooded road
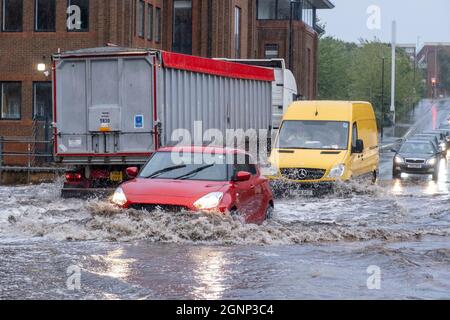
{"x": 320, "y": 248}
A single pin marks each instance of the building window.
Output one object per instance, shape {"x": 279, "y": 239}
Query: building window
{"x": 271, "y": 51}
{"x": 80, "y": 23}
{"x": 182, "y": 26}
{"x": 284, "y": 10}
{"x": 267, "y": 9}
{"x": 308, "y": 14}
{"x": 42, "y": 100}
{"x": 279, "y": 10}
{"x": 12, "y": 15}
{"x": 11, "y": 100}
{"x": 45, "y": 15}
{"x": 237, "y": 32}
{"x": 158, "y": 25}
{"x": 140, "y": 19}
{"x": 150, "y": 22}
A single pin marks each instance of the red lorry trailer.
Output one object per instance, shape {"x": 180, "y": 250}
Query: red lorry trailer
{"x": 113, "y": 107}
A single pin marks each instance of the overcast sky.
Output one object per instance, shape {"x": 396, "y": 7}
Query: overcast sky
{"x": 427, "y": 19}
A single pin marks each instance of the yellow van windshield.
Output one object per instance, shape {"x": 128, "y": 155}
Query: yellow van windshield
{"x": 321, "y": 135}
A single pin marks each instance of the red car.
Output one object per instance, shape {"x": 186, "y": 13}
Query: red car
{"x": 199, "y": 179}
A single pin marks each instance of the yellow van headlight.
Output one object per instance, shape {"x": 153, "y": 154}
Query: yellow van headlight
{"x": 337, "y": 171}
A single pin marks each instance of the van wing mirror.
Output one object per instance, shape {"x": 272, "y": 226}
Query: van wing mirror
{"x": 359, "y": 147}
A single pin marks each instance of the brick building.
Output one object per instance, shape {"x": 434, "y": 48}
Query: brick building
{"x": 31, "y": 30}
{"x": 428, "y": 60}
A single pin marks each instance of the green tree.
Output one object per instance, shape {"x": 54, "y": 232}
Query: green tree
{"x": 354, "y": 71}
{"x": 335, "y": 57}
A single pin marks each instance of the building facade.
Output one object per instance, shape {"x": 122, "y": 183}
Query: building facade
{"x": 32, "y": 30}
{"x": 429, "y": 60}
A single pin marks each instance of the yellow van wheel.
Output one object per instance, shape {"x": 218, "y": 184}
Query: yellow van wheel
{"x": 374, "y": 176}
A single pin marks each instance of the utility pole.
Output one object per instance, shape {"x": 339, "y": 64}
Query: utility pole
{"x": 435, "y": 72}
{"x": 382, "y": 98}
{"x": 416, "y": 53}
{"x": 393, "y": 45}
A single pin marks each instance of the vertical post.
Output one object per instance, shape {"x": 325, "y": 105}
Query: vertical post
{"x": 414, "y": 83}
{"x": 394, "y": 44}
{"x": 29, "y": 162}
{"x": 1, "y": 158}
{"x": 435, "y": 72}
{"x": 382, "y": 98}
{"x": 291, "y": 18}
{"x": 1, "y": 151}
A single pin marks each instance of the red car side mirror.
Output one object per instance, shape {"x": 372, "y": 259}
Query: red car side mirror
{"x": 132, "y": 172}
{"x": 242, "y": 176}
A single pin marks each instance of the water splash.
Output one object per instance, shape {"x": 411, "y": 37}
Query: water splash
{"x": 362, "y": 212}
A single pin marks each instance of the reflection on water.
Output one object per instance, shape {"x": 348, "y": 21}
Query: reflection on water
{"x": 210, "y": 273}
{"x": 443, "y": 171}
{"x": 113, "y": 264}
{"x": 398, "y": 188}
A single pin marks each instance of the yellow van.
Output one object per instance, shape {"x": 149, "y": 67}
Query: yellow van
{"x": 323, "y": 141}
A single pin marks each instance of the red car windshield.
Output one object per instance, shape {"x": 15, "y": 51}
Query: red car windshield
{"x": 188, "y": 166}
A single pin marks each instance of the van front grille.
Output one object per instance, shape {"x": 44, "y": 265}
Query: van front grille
{"x": 303, "y": 174}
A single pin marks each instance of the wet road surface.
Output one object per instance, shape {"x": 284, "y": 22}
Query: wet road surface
{"x": 319, "y": 248}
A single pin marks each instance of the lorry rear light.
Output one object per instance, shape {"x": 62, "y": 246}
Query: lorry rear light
{"x": 72, "y": 176}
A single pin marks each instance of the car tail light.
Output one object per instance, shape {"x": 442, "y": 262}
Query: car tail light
{"x": 73, "y": 176}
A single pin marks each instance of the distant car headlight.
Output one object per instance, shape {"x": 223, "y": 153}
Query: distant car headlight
{"x": 210, "y": 201}
{"x": 119, "y": 197}
{"x": 337, "y": 171}
{"x": 432, "y": 161}
{"x": 398, "y": 159}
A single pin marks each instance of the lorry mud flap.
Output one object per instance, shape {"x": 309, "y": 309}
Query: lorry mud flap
{"x": 81, "y": 193}
{"x": 287, "y": 189}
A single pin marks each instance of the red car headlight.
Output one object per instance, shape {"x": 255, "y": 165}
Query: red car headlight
{"x": 119, "y": 197}
{"x": 210, "y": 201}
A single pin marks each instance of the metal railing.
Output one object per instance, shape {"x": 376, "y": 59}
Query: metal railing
{"x": 33, "y": 150}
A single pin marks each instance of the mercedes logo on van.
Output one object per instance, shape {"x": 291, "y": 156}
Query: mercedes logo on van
{"x": 303, "y": 174}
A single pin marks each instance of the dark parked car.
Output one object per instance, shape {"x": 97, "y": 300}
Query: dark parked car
{"x": 417, "y": 157}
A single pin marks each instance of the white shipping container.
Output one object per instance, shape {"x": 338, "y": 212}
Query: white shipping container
{"x": 116, "y": 106}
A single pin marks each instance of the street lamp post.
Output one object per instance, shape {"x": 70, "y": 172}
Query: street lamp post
{"x": 382, "y": 98}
